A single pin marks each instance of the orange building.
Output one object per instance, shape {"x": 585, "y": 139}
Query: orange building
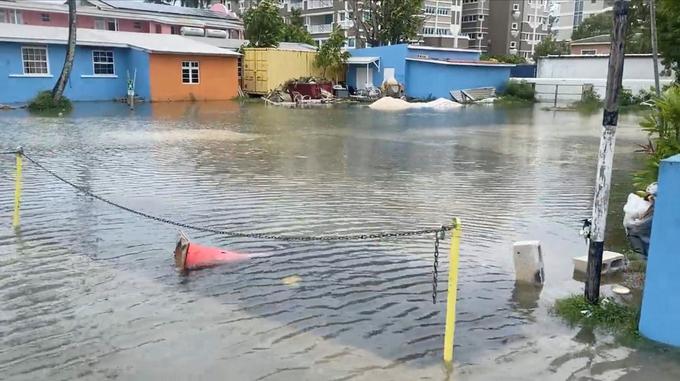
{"x": 188, "y": 77}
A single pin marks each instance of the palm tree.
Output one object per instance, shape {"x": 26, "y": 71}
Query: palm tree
{"x": 58, "y": 90}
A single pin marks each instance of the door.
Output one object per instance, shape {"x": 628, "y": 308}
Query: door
{"x": 388, "y": 73}
{"x": 364, "y": 76}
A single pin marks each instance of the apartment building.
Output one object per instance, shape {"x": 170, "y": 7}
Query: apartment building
{"x": 442, "y": 24}
{"x": 475, "y": 24}
{"x": 569, "y": 14}
{"x": 517, "y": 26}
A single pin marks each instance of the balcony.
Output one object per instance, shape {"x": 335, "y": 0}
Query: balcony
{"x": 346, "y": 24}
{"x": 320, "y": 28}
{"x": 318, "y": 4}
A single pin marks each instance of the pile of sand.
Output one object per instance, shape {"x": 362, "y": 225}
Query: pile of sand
{"x": 394, "y": 104}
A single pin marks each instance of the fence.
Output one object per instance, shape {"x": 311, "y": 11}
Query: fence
{"x": 561, "y": 93}
{"x": 439, "y": 234}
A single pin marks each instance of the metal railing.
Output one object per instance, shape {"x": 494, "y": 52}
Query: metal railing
{"x": 320, "y": 28}
{"x": 317, "y": 4}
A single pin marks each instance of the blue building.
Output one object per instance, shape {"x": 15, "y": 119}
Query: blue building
{"x": 424, "y": 71}
{"x": 31, "y": 60}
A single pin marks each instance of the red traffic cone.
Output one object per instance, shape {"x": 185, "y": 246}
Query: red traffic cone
{"x": 191, "y": 256}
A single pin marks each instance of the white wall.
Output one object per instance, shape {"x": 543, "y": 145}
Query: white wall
{"x": 570, "y": 73}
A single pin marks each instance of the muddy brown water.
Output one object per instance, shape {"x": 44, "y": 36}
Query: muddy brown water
{"x": 89, "y": 292}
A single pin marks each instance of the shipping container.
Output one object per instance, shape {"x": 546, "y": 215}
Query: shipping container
{"x": 265, "y": 69}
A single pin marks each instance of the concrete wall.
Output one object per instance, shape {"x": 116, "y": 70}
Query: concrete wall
{"x": 82, "y": 85}
{"x": 599, "y": 48}
{"x": 572, "y": 72}
{"x": 437, "y": 79}
{"x": 218, "y": 79}
{"x": 660, "y": 315}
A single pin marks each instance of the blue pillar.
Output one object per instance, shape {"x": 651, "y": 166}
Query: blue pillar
{"x": 660, "y": 316}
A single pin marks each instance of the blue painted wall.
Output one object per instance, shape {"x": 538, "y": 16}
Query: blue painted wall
{"x": 436, "y": 80}
{"x": 393, "y": 56}
{"x": 660, "y": 315}
{"x": 523, "y": 71}
{"x": 80, "y": 87}
{"x": 456, "y": 55}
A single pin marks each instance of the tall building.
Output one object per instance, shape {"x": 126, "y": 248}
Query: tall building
{"x": 517, "y": 26}
{"x": 442, "y": 24}
{"x": 441, "y": 19}
{"x": 569, "y": 14}
{"x": 475, "y": 23}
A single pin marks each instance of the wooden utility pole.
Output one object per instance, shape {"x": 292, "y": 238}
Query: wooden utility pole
{"x": 655, "y": 50}
{"x": 606, "y": 153}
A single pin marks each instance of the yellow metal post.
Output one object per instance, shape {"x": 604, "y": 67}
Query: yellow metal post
{"x": 17, "y": 187}
{"x": 454, "y": 254}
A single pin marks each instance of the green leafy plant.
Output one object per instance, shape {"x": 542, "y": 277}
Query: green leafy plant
{"x": 607, "y": 314}
{"x": 518, "y": 92}
{"x": 295, "y": 30}
{"x": 590, "y": 101}
{"x": 263, "y": 25}
{"x": 508, "y": 58}
{"x": 550, "y": 46}
{"x": 44, "y": 103}
{"x": 663, "y": 128}
{"x": 331, "y": 58}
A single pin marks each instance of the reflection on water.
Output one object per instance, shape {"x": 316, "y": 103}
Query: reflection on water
{"x": 89, "y": 291}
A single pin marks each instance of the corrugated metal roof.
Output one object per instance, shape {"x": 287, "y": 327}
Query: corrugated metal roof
{"x": 362, "y": 60}
{"x": 158, "y": 43}
{"x": 169, "y": 9}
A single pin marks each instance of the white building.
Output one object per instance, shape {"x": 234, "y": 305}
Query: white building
{"x": 569, "y": 14}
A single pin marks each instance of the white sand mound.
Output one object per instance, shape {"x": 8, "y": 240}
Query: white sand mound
{"x": 394, "y": 104}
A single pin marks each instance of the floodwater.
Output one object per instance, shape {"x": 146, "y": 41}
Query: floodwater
{"x": 89, "y": 292}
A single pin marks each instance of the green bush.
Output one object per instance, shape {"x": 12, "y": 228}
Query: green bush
{"x": 608, "y": 314}
{"x": 508, "y": 58}
{"x": 590, "y": 101}
{"x": 519, "y": 90}
{"x": 44, "y": 102}
{"x": 663, "y": 127}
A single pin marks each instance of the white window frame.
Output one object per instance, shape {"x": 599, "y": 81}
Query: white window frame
{"x": 515, "y": 7}
{"x": 45, "y": 17}
{"x": 188, "y": 65}
{"x": 513, "y": 44}
{"x": 588, "y": 52}
{"x": 515, "y": 26}
{"x": 47, "y": 61}
{"x": 113, "y": 57}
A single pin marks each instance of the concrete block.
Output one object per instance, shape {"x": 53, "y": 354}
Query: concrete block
{"x": 611, "y": 262}
{"x": 528, "y": 261}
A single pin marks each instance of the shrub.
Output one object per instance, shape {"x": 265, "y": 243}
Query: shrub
{"x": 590, "y": 101}
{"x": 520, "y": 90}
{"x": 607, "y": 314}
{"x": 663, "y": 127}
{"x": 44, "y": 102}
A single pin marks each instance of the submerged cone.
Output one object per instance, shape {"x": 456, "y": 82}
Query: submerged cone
{"x": 192, "y": 256}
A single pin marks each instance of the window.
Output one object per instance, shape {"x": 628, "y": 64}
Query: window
{"x": 514, "y": 26}
{"x": 137, "y": 25}
{"x": 240, "y": 68}
{"x": 102, "y": 60}
{"x": 430, "y": 10}
{"x": 351, "y": 42}
{"x": 428, "y": 30}
{"x": 45, "y": 17}
{"x": 14, "y": 17}
{"x": 443, "y": 11}
{"x": 3, "y": 16}
{"x": 190, "y": 73}
{"x": 35, "y": 60}
{"x": 513, "y": 44}
{"x": 515, "y": 7}
{"x": 159, "y": 28}
{"x": 586, "y": 52}
{"x": 105, "y": 24}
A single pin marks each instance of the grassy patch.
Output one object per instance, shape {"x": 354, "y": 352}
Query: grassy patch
{"x": 519, "y": 91}
{"x": 607, "y": 315}
{"x": 44, "y": 104}
{"x": 513, "y": 100}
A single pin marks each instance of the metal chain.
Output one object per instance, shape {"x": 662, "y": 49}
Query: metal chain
{"x": 435, "y": 270}
{"x": 328, "y": 237}
{"x": 8, "y": 153}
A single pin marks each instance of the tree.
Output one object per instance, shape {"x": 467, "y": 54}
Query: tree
{"x": 387, "y": 21}
{"x": 295, "y": 30}
{"x": 58, "y": 90}
{"x": 638, "y": 35}
{"x": 331, "y": 58}
{"x": 550, "y": 46}
{"x": 668, "y": 30}
{"x": 263, "y": 25}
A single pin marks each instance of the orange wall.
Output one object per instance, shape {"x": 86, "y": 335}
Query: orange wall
{"x": 217, "y": 78}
